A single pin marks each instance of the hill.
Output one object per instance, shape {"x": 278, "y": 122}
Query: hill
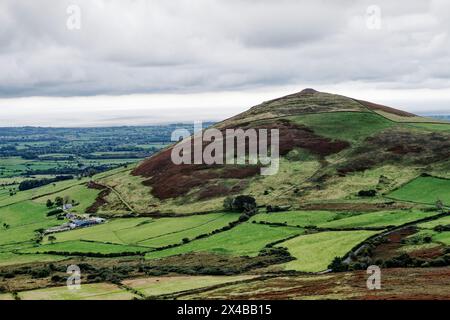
{"x": 331, "y": 147}
{"x": 358, "y": 184}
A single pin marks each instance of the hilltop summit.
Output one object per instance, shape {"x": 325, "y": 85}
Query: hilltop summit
{"x": 307, "y": 91}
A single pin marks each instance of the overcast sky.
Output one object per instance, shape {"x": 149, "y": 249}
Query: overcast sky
{"x": 153, "y": 61}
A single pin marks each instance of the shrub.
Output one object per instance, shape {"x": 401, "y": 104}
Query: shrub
{"x": 49, "y": 203}
{"x": 338, "y": 265}
{"x": 227, "y": 203}
{"x": 367, "y": 193}
{"x": 56, "y": 278}
{"x": 241, "y": 203}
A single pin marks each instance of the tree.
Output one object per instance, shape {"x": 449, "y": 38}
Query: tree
{"x": 49, "y": 203}
{"x": 338, "y": 265}
{"x": 59, "y": 201}
{"x": 228, "y": 204}
{"x": 367, "y": 193}
{"x": 243, "y": 203}
{"x": 52, "y": 239}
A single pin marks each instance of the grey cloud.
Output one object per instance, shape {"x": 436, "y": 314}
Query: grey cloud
{"x": 172, "y": 46}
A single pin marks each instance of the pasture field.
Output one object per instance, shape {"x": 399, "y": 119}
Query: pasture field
{"x": 22, "y": 220}
{"x": 106, "y": 232}
{"x": 48, "y": 190}
{"x": 39, "y": 192}
{"x": 431, "y": 224}
{"x": 378, "y": 219}
{"x": 189, "y": 232}
{"x": 314, "y": 252}
{"x": 96, "y": 291}
{"x": 167, "y": 285}
{"x": 74, "y": 247}
{"x": 440, "y": 127}
{"x": 348, "y": 126}
{"x": 297, "y": 218}
{"x": 150, "y": 232}
{"x": 424, "y": 190}
{"x": 442, "y": 237}
{"x": 10, "y": 258}
{"x": 81, "y": 194}
{"x": 246, "y": 239}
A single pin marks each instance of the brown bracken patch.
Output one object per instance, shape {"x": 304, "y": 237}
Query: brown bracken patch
{"x": 429, "y": 253}
{"x": 394, "y": 242}
{"x": 100, "y": 200}
{"x": 169, "y": 180}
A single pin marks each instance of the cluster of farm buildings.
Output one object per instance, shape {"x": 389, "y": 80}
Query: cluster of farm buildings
{"x": 75, "y": 222}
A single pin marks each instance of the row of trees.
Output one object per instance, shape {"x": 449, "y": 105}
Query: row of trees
{"x": 35, "y": 183}
{"x": 59, "y": 202}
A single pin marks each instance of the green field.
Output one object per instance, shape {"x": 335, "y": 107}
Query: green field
{"x": 348, "y": 126}
{"x": 96, "y": 291}
{"x": 246, "y": 239}
{"x": 167, "y": 285}
{"x": 330, "y": 219}
{"x": 440, "y": 127}
{"x": 9, "y": 258}
{"x": 151, "y": 232}
{"x": 431, "y": 224}
{"x": 314, "y": 252}
{"x": 102, "y": 233}
{"x": 378, "y": 219}
{"x": 23, "y": 219}
{"x": 81, "y": 194}
{"x": 39, "y": 192}
{"x": 49, "y": 190}
{"x": 437, "y": 237}
{"x": 424, "y": 190}
{"x": 74, "y": 247}
{"x": 297, "y": 218}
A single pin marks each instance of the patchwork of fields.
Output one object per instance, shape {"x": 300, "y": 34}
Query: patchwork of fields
{"x": 246, "y": 240}
{"x": 148, "y": 232}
